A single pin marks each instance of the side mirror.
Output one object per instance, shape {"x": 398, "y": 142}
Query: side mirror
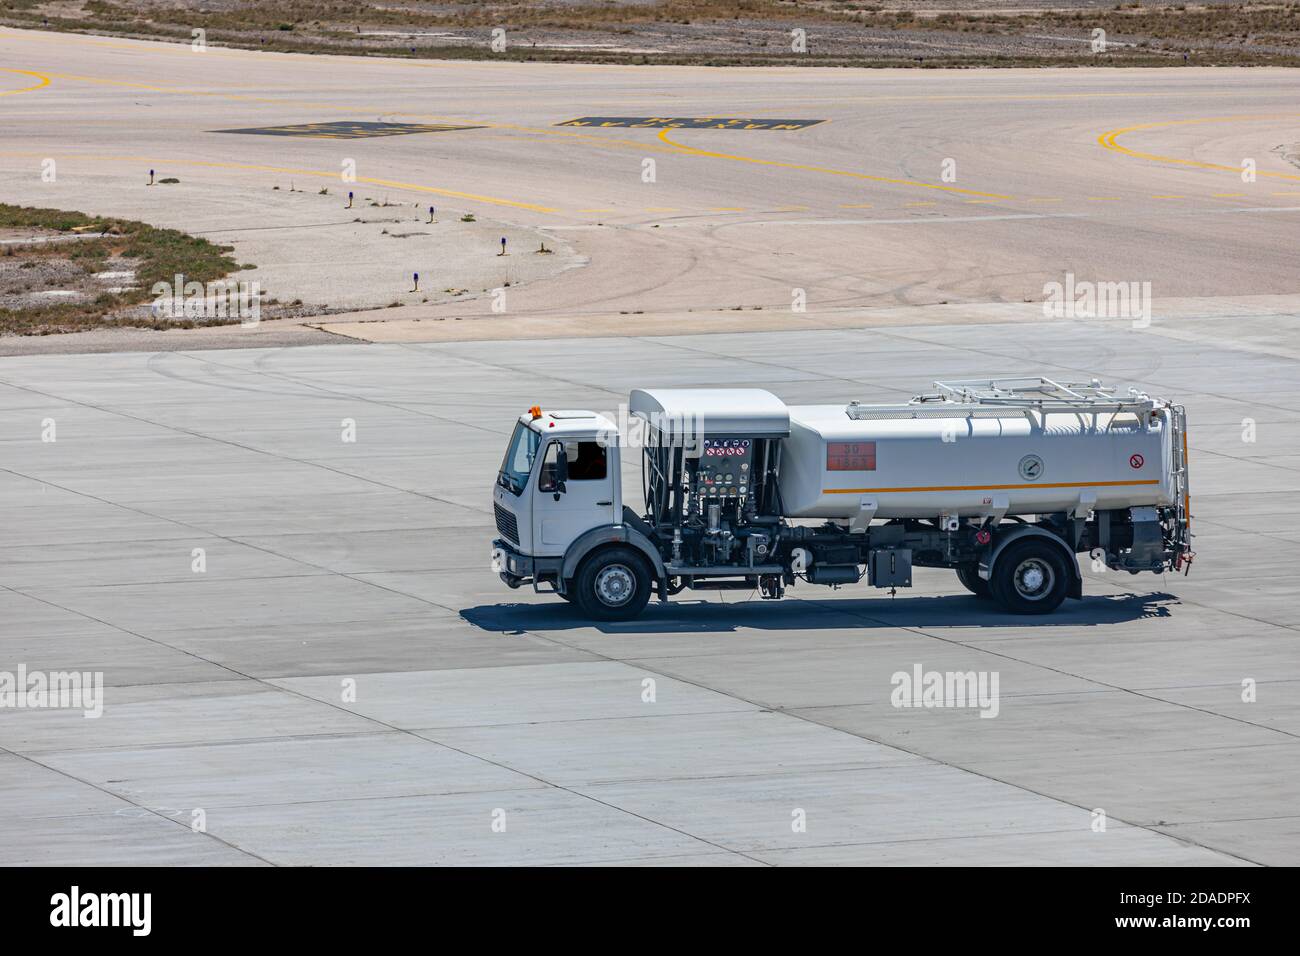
{"x": 561, "y": 470}
{"x": 555, "y": 470}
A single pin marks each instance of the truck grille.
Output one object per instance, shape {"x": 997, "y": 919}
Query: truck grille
{"x": 507, "y": 524}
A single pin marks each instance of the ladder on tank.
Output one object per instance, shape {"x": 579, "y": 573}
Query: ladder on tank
{"x": 1182, "y": 539}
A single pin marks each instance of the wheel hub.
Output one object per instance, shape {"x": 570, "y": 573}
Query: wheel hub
{"x": 1034, "y": 579}
{"x": 615, "y": 585}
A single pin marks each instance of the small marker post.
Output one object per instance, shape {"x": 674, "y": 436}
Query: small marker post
{"x": 349, "y": 200}
{"x": 151, "y": 177}
{"x": 430, "y": 214}
{"x": 417, "y": 283}
{"x": 503, "y": 246}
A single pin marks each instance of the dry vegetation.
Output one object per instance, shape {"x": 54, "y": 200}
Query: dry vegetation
{"x": 738, "y": 32}
{"x": 49, "y": 262}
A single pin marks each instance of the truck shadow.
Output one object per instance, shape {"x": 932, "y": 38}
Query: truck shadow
{"x": 691, "y": 616}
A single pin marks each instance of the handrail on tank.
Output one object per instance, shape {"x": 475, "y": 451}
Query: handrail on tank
{"x": 1034, "y": 391}
{"x": 994, "y": 397}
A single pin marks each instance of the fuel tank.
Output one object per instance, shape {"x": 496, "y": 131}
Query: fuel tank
{"x": 959, "y": 460}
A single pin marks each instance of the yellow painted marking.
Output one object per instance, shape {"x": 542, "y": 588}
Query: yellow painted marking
{"x": 925, "y": 202}
{"x": 929, "y": 488}
{"x": 331, "y": 62}
{"x": 663, "y": 137}
{"x": 727, "y": 209}
{"x": 856, "y": 205}
{"x": 1170, "y": 196}
{"x": 792, "y": 209}
{"x": 1290, "y": 193}
{"x": 836, "y": 99}
{"x": 1110, "y": 140}
{"x": 603, "y": 142}
{"x": 994, "y": 98}
{"x": 1047, "y": 199}
{"x": 324, "y": 174}
{"x": 690, "y": 122}
{"x": 596, "y": 210}
{"x": 1227, "y": 195}
{"x": 44, "y": 81}
{"x": 176, "y": 90}
{"x": 977, "y": 202}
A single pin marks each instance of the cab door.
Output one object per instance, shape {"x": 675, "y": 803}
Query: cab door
{"x": 575, "y": 492}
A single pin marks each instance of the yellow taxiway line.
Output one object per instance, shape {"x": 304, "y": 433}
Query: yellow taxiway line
{"x": 1110, "y": 140}
{"x": 44, "y": 81}
{"x": 324, "y": 174}
{"x": 733, "y": 157}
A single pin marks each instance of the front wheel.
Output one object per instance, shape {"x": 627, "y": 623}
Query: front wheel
{"x": 1030, "y": 577}
{"x": 612, "y": 585}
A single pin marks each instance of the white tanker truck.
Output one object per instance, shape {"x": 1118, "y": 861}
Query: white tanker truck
{"x": 1002, "y": 481}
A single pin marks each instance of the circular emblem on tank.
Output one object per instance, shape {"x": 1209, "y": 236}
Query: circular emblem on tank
{"x": 1136, "y": 461}
{"x": 1031, "y": 468}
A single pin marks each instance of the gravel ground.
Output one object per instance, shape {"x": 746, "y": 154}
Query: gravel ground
{"x": 32, "y": 281}
{"x": 965, "y": 31}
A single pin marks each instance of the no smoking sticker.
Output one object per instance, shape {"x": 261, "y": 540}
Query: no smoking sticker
{"x": 1136, "y": 461}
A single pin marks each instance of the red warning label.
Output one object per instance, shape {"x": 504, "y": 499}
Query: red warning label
{"x": 1136, "y": 461}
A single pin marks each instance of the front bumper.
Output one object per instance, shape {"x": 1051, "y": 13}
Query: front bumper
{"x": 516, "y": 568}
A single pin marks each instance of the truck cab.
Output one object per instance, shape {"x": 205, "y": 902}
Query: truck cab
{"x": 559, "y": 479}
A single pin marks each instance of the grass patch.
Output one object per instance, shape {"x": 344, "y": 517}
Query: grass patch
{"x": 157, "y": 255}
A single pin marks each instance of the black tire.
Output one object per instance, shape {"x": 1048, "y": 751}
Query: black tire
{"x": 612, "y": 585}
{"x": 1030, "y": 577}
{"x": 970, "y": 579}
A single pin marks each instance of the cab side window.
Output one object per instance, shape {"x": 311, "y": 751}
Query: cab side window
{"x": 587, "y": 462}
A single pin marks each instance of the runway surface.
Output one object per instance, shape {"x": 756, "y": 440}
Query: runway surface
{"x": 915, "y": 187}
{"x": 344, "y": 680}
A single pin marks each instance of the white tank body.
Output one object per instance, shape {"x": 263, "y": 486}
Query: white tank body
{"x": 960, "y": 463}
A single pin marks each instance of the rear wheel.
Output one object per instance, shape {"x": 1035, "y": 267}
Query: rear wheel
{"x": 612, "y": 585}
{"x": 970, "y": 579}
{"x": 1030, "y": 577}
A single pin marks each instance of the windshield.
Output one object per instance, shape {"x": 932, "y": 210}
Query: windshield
{"x": 518, "y": 463}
